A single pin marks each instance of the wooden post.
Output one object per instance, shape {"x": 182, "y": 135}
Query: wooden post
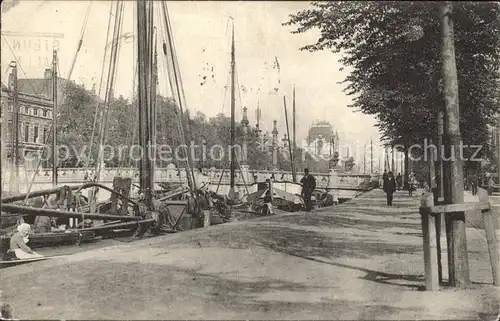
{"x": 432, "y": 174}
{"x": 440, "y": 186}
{"x": 271, "y": 189}
{"x": 497, "y": 138}
{"x": 430, "y": 243}
{"x": 438, "y": 217}
{"x": 493, "y": 242}
{"x": 458, "y": 261}
{"x": 207, "y": 213}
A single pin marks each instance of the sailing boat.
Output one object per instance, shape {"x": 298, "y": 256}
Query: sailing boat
{"x": 286, "y": 195}
{"x": 125, "y": 213}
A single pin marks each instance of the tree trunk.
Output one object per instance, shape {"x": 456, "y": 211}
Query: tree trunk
{"x": 453, "y": 171}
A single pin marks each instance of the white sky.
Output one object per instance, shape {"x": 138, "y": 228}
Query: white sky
{"x": 202, "y": 37}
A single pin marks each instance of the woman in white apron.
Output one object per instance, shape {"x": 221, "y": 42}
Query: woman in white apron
{"x": 18, "y": 243}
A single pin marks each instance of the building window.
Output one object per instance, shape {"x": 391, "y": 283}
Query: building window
{"x": 26, "y": 132}
{"x": 35, "y": 111}
{"x": 44, "y": 113}
{"x": 10, "y": 106}
{"x": 27, "y": 110}
{"x": 45, "y": 131}
{"x": 35, "y": 134}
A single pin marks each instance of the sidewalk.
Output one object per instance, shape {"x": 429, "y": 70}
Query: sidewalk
{"x": 359, "y": 260}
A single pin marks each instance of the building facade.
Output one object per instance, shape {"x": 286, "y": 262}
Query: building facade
{"x": 321, "y": 139}
{"x": 35, "y": 119}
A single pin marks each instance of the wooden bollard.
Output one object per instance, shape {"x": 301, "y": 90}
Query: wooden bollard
{"x": 491, "y": 238}
{"x": 430, "y": 243}
{"x": 207, "y": 218}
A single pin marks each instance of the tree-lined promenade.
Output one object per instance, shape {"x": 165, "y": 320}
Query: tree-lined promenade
{"x": 394, "y": 51}
{"x": 426, "y": 70}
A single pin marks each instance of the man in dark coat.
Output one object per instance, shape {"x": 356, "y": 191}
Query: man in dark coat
{"x": 474, "y": 182}
{"x": 390, "y": 187}
{"x": 308, "y": 186}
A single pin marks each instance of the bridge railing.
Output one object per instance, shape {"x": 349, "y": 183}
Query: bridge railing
{"x": 171, "y": 175}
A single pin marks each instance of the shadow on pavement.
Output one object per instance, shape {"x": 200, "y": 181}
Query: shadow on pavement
{"x": 329, "y": 221}
{"x": 376, "y": 276}
{"x": 307, "y": 244}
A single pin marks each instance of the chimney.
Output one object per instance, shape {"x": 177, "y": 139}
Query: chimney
{"x": 48, "y": 73}
{"x": 11, "y": 81}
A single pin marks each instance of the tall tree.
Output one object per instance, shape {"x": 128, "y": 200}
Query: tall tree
{"x": 394, "y": 50}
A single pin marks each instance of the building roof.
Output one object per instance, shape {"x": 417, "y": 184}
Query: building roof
{"x": 35, "y": 86}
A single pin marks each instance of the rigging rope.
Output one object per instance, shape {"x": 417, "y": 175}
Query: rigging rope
{"x": 228, "y": 67}
{"x": 134, "y": 88}
{"x": 96, "y": 113}
{"x": 46, "y": 139}
{"x": 164, "y": 69}
{"x": 115, "y": 49}
{"x": 177, "y": 90}
{"x": 184, "y": 101}
{"x": 80, "y": 42}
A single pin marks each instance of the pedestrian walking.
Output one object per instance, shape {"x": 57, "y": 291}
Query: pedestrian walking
{"x": 399, "y": 181}
{"x": 412, "y": 184}
{"x": 390, "y": 187}
{"x": 383, "y": 179}
{"x": 474, "y": 182}
{"x": 308, "y": 186}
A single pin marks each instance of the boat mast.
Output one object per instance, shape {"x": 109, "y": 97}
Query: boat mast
{"x": 294, "y": 174}
{"x": 233, "y": 98}
{"x": 14, "y": 185}
{"x": 54, "y": 119}
{"x": 371, "y": 156}
{"x": 364, "y": 160}
{"x": 143, "y": 77}
{"x": 152, "y": 93}
{"x": 153, "y": 100}
{"x": 289, "y": 143}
